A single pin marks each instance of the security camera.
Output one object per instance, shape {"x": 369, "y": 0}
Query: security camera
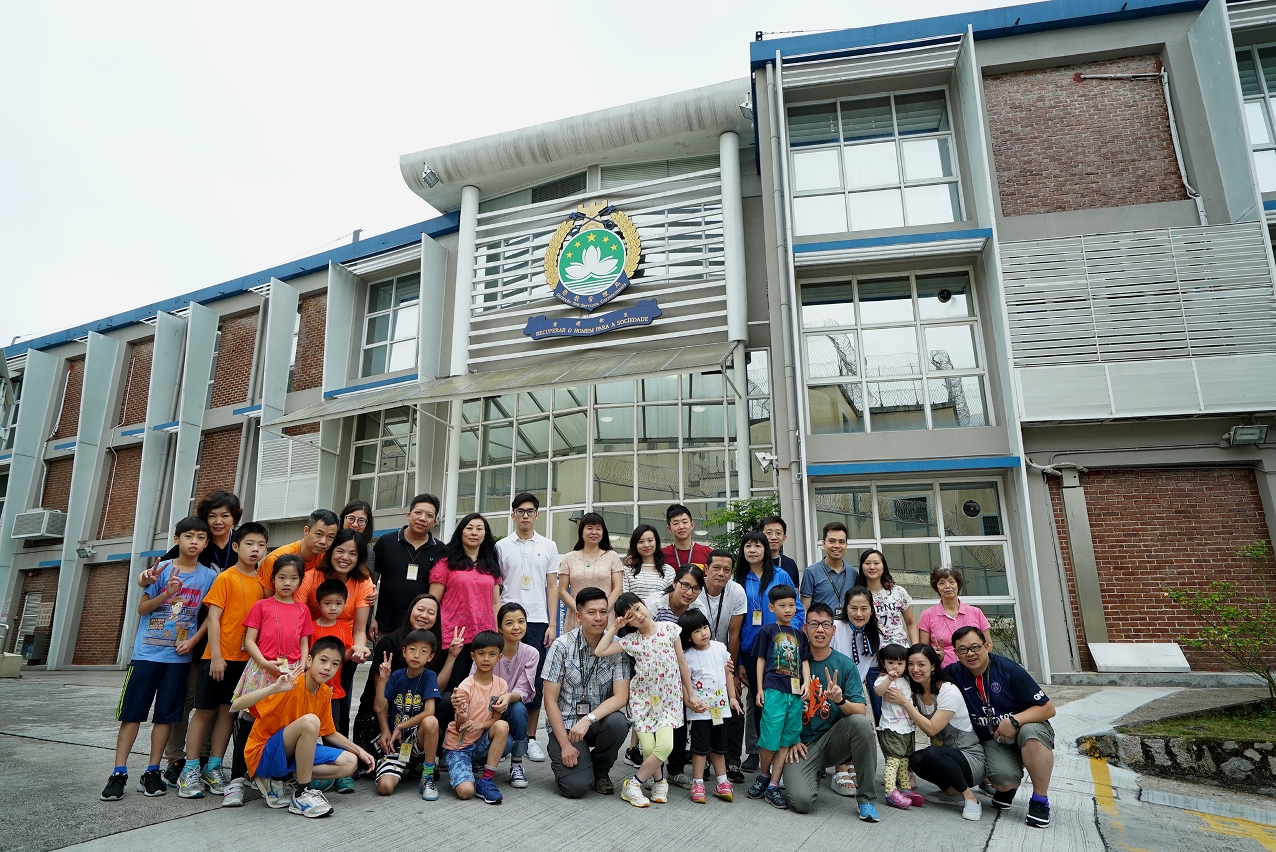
{"x": 766, "y": 460}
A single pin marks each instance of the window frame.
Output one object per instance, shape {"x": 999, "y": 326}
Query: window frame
{"x": 408, "y": 472}
{"x": 392, "y": 313}
{"x": 1267, "y": 98}
{"x": 11, "y": 424}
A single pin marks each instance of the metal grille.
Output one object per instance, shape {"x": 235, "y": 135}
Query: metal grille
{"x": 907, "y": 60}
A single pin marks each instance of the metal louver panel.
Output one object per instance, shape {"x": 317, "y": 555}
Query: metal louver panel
{"x": 1254, "y": 13}
{"x": 385, "y": 260}
{"x": 288, "y": 478}
{"x": 908, "y": 60}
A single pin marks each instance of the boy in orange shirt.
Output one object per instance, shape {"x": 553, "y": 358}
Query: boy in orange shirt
{"x": 478, "y": 732}
{"x": 285, "y": 737}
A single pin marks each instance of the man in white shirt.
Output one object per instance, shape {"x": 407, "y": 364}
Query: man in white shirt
{"x": 529, "y": 577}
{"x": 724, "y": 603}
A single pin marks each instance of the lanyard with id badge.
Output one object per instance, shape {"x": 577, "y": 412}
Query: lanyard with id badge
{"x": 583, "y": 708}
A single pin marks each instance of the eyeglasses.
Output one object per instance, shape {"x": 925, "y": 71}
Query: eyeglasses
{"x": 820, "y": 625}
{"x": 969, "y": 649}
{"x": 526, "y": 513}
{"x": 687, "y": 587}
{"x": 356, "y": 523}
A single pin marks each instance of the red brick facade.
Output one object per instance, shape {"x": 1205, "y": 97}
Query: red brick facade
{"x": 69, "y": 417}
{"x": 1157, "y": 529}
{"x": 45, "y": 582}
{"x": 218, "y": 462}
{"x": 307, "y": 370}
{"x": 137, "y": 383}
{"x": 303, "y": 429}
{"x": 234, "y": 361}
{"x": 57, "y": 485}
{"x": 1062, "y": 144}
{"x": 119, "y": 501}
{"x": 98, "y": 639}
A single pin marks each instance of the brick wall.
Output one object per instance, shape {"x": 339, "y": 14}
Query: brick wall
{"x": 137, "y": 383}
{"x": 303, "y": 429}
{"x": 1156, "y": 529}
{"x": 98, "y": 639}
{"x": 308, "y": 368}
{"x": 119, "y": 501}
{"x": 218, "y": 462}
{"x": 57, "y": 485}
{"x": 234, "y": 360}
{"x": 69, "y": 417}
{"x": 1061, "y": 144}
{"x": 44, "y": 581}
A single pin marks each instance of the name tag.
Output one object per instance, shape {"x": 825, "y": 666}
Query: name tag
{"x": 182, "y": 632}
{"x": 243, "y": 643}
{"x": 757, "y": 618}
{"x": 405, "y": 752}
{"x": 412, "y": 569}
{"x": 527, "y": 582}
{"x": 837, "y": 613}
{"x": 715, "y": 715}
{"x": 796, "y": 685}
{"x": 582, "y": 708}
{"x": 655, "y": 701}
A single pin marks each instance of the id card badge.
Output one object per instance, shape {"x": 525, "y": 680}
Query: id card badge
{"x": 527, "y": 582}
{"x": 405, "y": 750}
{"x": 182, "y": 633}
{"x": 757, "y": 618}
{"x": 243, "y": 642}
{"x": 796, "y": 685}
{"x": 412, "y": 570}
{"x": 715, "y": 715}
{"x": 655, "y": 702}
{"x": 282, "y": 662}
{"x": 582, "y": 708}
{"x": 837, "y": 613}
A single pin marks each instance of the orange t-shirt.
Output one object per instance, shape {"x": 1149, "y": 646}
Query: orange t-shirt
{"x": 278, "y": 711}
{"x": 357, "y": 592}
{"x": 235, "y": 592}
{"x": 263, "y": 570}
{"x": 478, "y": 696}
{"x": 343, "y": 630}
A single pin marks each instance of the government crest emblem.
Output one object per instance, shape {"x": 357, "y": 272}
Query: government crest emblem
{"x": 592, "y": 255}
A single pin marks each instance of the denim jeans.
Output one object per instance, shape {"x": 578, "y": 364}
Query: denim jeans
{"x": 516, "y": 716}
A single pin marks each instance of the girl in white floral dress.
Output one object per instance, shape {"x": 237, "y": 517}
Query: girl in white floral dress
{"x": 891, "y": 602}
{"x": 661, "y": 685}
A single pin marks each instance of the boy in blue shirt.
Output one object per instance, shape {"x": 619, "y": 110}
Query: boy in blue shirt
{"x": 405, "y": 710}
{"x": 783, "y": 672}
{"x": 166, "y": 634}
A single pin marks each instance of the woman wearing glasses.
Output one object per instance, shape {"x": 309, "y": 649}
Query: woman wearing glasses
{"x": 679, "y": 596}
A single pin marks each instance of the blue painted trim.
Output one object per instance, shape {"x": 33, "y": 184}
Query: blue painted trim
{"x": 398, "y": 380}
{"x": 164, "y": 426}
{"x": 247, "y": 409}
{"x": 913, "y": 466}
{"x": 895, "y": 240}
{"x": 118, "y": 557}
{"x": 988, "y": 23}
{"x": 151, "y": 554}
{"x": 131, "y": 432}
{"x": 6, "y": 456}
{"x": 67, "y": 446}
{"x": 446, "y": 224}
{"x": 49, "y": 563}
{"x": 1269, "y": 205}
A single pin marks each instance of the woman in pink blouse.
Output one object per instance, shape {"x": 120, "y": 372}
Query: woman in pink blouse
{"x": 939, "y": 622}
{"x": 467, "y": 583}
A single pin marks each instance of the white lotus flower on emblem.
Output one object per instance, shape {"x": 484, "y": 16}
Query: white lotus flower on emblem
{"x": 592, "y": 265}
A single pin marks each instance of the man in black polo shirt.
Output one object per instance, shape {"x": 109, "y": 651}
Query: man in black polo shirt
{"x": 404, "y": 560}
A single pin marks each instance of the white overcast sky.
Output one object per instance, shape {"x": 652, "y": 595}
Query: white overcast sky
{"x": 150, "y": 149}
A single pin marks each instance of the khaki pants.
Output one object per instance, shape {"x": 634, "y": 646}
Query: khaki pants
{"x": 851, "y": 740}
{"x": 1003, "y": 763}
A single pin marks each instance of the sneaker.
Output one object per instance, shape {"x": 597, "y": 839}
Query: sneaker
{"x": 173, "y": 771}
{"x": 215, "y": 780}
{"x": 1038, "y": 814}
{"x": 602, "y": 786}
{"x": 682, "y": 779}
{"x": 1002, "y": 799}
{"x": 660, "y": 791}
{"x": 310, "y": 803}
{"x": 189, "y": 785}
{"x": 734, "y": 775}
{"x": 278, "y": 794}
{"x": 750, "y": 763}
{"x": 323, "y": 785}
{"x": 344, "y": 785}
{"x": 897, "y": 799}
{"x": 775, "y": 797}
{"x": 972, "y": 810}
{"x": 429, "y": 792}
{"x": 724, "y": 791}
{"x": 916, "y": 798}
{"x": 114, "y": 790}
{"x": 234, "y": 795}
{"x": 633, "y": 757}
{"x": 697, "y": 793}
{"x": 868, "y": 813}
{"x": 987, "y": 789}
{"x": 535, "y": 753}
{"x": 632, "y": 793}
{"x": 518, "y": 779}
{"x": 486, "y": 789}
{"x": 758, "y": 787}
{"x": 152, "y": 784}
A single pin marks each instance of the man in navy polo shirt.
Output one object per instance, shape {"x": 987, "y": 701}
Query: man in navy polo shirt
{"x": 1010, "y": 714}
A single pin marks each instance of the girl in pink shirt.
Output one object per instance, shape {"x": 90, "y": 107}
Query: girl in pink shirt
{"x": 466, "y": 582}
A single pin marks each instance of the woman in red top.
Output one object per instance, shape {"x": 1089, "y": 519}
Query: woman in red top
{"x": 467, "y": 583}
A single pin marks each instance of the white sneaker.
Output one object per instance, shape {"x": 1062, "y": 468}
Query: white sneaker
{"x": 278, "y": 793}
{"x": 535, "y": 753}
{"x": 660, "y": 791}
{"x": 972, "y": 810}
{"x": 632, "y": 793}
{"x": 310, "y": 803}
{"x": 234, "y": 795}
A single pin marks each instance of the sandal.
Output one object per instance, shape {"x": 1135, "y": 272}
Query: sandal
{"x": 843, "y": 784}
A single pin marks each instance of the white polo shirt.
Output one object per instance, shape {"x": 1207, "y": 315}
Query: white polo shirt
{"x": 524, "y": 567}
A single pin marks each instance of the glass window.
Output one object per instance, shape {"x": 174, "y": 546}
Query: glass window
{"x": 896, "y": 406}
{"x": 873, "y": 164}
{"x": 390, "y": 325}
{"x": 813, "y": 125}
{"x": 851, "y": 506}
{"x": 1257, "y": 67}
{"x": 816, "y": 170}
{"x": 383, "y": 457}
{"x": 819, "y": 214}
{"x": 836, "y": 409}
{"x": 957, "y": 401}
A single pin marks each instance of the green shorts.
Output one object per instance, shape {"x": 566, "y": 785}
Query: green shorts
{"x": 781, "y": 724}
{"x": 1003, "y": 763}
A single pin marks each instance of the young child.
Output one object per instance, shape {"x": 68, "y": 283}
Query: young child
{"x": 478, "y": 731}
{"x": 232, "y": 595}
{"x": 707, "y": 664}
{"x": 660, "y": 686}
{"x": 157, "y": 673}
{"x": 277, "y": 629}
{"x": 895, "y": 728}
{"x": 783, "y": 670}
{"x": 413, "y": 741}
{"x": 517, "y": 667}
{"x": 292, "y": 714}
{"x": 330, "y": 600}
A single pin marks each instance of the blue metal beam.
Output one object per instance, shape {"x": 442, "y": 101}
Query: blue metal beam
{"x": 913, "y": 466}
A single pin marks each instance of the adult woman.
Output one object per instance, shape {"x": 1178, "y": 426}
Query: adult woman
{"x": 679, "y": 596}
{"x": 647, "y": 572}
{"x": 357, "y": 515}
{"x": 936, "y": 625}
{"x": 939, "y": 711}
{"x": 891, "y": 601}
{"x": 857, "y": 635}
{"x": 591, "y": 562}
{"x": 466, "y": 582}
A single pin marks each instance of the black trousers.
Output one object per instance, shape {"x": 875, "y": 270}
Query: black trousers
{"x": 942, "y": 766}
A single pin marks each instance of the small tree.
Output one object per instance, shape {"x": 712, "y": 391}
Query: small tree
{"x": 738, "y": 517}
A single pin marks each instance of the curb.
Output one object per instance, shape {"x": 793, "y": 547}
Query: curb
{"x": 1208, "y": 806}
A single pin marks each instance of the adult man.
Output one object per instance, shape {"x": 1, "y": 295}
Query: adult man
{"x": 683, "y": 551}
{"x": 1010, "y": 714}
{"x": 724, "y": 603}
{"x": 828, "y": 580}
{"x": 316, "y": 537}
{"x": 529, "y": 577}
{"x": 835, "y": 726}
{"x": 777, "y": 532}
{"x": 585, "y": 698}
{"x": 404, "y": 560}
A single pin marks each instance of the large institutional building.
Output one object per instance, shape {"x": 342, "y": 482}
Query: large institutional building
{"x": 995, "y": 290}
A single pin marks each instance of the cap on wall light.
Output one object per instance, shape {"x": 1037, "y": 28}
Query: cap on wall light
{"x": 84, "y": 552}
{"x": 1243, "y": 436}
{"x": 430, "y": 176}
{"x": 746, "y": 109}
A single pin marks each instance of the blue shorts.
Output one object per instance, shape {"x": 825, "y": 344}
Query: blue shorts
{"x": 461, "y": 762}
{"x": 147, "y": 682}
{"x": 275, "y": 762}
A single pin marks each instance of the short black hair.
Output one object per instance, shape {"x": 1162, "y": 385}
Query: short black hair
{"x": 589, "y": 594}
{"x": 191, "y": 524}
{"x": 422, "y": 637}
{"x": 962, "y": 632}
{"x": 250, "y": 528}
{"x": 506, "y": 609}
{"x": 893, "y": 652}
{"x": 220, "y": 499}
{"x": 288, "y": 560}
{"x": 328, "y": 643}
{"x": 328, "y": 588}
{"x": 834, "y": 526}
{"x": 774, "y": 519}
{"x": 327, "y": 517}
{"x": 426, "y": 498}
{"x": 781, "y": 592}
{"x": 524, "y": 497}
{"x": 675, "y": 510}
{"x": 721, "y": 554}
{"x": 487, "y": 639}
{"x": 689, "y": 622}
{"x": 821, "y": 608}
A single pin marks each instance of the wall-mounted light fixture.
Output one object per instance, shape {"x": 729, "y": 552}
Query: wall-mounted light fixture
{"x": 430, "y": 176}
{"x": 766, "y": 460}
{"x": 1244, "y": 436}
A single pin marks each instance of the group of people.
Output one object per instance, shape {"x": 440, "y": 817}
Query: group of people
{"x": 710, "y": 664}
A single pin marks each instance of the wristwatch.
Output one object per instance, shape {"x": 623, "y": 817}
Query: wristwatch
{"x": 592, "y": 718}
{"x": 1014, "y": 722}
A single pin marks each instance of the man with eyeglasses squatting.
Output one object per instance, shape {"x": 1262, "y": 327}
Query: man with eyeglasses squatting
{"x": 529, "y": 577}
{"x": 1010, "y": 713}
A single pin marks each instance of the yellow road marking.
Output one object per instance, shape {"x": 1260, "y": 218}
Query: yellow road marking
{"x": 1264, "y": 835}
{"x": 1103, "y": 794}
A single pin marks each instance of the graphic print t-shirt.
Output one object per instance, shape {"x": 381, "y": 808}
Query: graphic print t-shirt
{"x": 1004, "y": 688}
{"x": 159, "y": 631}
{"x": 782, "y": 650}
{"x": 407, "y": 695}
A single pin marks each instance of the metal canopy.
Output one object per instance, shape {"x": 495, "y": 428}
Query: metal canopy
{"x": 597, "y": 368}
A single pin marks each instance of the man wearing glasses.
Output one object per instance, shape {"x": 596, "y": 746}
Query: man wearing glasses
{"x": 1010, "y": 713}
{"x": 835, "y": 726}
{"x": 529, "y": 577}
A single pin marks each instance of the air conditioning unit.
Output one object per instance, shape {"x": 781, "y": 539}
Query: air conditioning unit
{"x": 39, "y": 523}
